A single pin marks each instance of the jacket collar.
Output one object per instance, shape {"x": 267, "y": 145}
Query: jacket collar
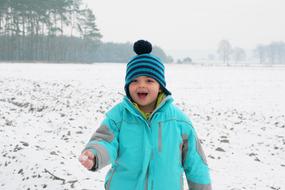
{"x": 128, "y": 104}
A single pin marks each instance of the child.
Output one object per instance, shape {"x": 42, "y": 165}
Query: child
{"x": 148, "y": 140}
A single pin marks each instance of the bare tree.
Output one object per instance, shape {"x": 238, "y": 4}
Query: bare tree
{"x": 238, "y": 54}
{"x": 225, "y": 50}
{"x": 280, "y": 52}
{"x": 260, "y": 52}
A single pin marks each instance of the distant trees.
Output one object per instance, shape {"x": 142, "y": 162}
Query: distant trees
{"x": 224, "y": 51}
{"x": 273, "y": 53}
{"x": 49, "y": 30}
{"x": 122, "y": 52}
{"x": 184, "y": 60}
{"x": 48, "y": 17}
{"x": 260, "y": 53}
{"x": 161, "y": 54}
{"x": 87, "y": 25}
{"x": 238, "y": 54}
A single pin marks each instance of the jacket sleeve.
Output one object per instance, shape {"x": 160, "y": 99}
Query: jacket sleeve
{"x": 104, "y": 143}
{"x": 194, "y": 161}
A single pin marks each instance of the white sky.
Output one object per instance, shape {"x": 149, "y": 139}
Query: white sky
{"x": 191, "y": 24}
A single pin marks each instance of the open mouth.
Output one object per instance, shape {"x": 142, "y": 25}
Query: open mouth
{"x": 142, "y": 94}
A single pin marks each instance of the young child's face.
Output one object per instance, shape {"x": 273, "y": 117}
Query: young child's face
{"x": 144, "y": 91}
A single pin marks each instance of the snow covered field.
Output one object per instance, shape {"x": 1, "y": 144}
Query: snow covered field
{"x": 48, "y": 112}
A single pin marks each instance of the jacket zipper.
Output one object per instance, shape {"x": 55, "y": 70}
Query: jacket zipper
{"x": 159, "y": 137}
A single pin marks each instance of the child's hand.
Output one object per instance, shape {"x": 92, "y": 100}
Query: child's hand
{"x": 87, "y": 159}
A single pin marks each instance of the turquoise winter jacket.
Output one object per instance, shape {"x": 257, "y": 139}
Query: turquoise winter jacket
{"x": 149, "y": 154}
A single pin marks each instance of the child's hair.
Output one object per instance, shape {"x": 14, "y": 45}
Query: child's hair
{"x": 145, "y": 64}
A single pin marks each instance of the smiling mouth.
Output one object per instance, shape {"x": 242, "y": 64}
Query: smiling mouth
{"x": 142, "y": 94}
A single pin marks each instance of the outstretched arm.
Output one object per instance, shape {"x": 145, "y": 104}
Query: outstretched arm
{"x": 102, "y": 148}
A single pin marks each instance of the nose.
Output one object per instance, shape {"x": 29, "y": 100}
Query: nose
{"x": 142, "y": 84}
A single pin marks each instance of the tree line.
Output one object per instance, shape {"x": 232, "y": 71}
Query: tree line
{"x": 54, "y": 31}
{"x": 273, "y": 53}
{"x": 122, "y": 53}
{"x": 50, "y": 30}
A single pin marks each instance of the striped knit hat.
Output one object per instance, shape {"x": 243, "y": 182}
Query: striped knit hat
{"x": 145, "y": 64}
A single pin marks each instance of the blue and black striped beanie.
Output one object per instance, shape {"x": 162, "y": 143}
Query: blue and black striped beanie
{"x": 145, "y": 64}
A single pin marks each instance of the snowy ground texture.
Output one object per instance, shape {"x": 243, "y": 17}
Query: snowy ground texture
{"x": 48, "y": 112}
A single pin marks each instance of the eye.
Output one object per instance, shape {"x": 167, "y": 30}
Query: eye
{"x": 150, "y": 80}
{"x": 135, "y": 80}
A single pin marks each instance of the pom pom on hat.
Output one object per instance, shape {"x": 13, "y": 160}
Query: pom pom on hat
{"x": 142, "y": 47}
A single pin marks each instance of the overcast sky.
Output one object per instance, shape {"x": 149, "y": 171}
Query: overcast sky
{"x": 191, "y": 24}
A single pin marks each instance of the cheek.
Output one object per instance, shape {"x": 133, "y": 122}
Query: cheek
{"x": 131, "y": 88}
{"x": 157, "y": 88}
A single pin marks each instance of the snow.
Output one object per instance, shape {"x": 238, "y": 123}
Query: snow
{"x": 49, "y": 111}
